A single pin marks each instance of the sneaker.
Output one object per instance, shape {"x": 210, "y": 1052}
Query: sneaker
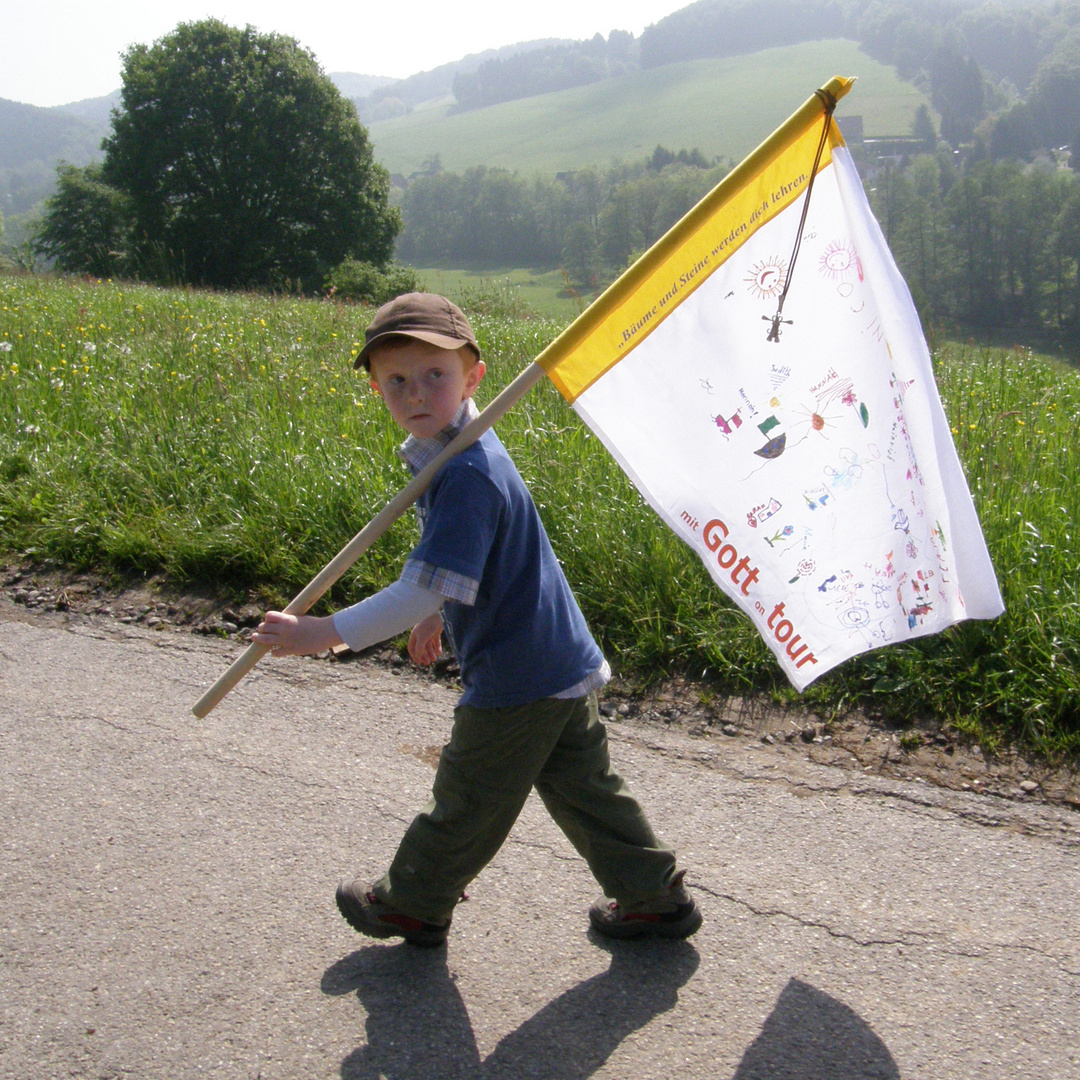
{"x": 366, "y": 913}
{"x": 671, "y": 914}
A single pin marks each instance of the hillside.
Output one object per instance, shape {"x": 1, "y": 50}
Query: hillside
{"x": 723, "y": 107}
{"x": 29, "y": 133}
{"x": 394, "y": 97}
{"x": 95, "y": 110}
{"x": 32, "y": 141}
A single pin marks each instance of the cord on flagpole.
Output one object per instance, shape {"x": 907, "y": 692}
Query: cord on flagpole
{"x": 778, "y": 320}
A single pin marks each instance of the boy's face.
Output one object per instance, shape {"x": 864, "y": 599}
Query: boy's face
{"x": 423, "y": 386}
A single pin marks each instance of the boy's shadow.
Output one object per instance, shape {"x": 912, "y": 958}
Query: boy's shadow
{"x": 418, "y": 1028}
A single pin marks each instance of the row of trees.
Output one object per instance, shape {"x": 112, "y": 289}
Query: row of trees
{"x": 984, "y": 245}
{"x": 233, "y": 162}
{"x": 540, "y": 71}
{"x": 994, "y": 245}
{"x": 734, "y": 27}
{"x": 591, "y": 222}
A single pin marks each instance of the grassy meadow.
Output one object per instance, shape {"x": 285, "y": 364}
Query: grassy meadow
{"x": 227, "y": 439}
{"x": 723, "y": 107}
{"x": 540, "y": 292}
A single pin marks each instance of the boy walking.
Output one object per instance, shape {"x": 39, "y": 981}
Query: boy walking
{"x": 484, "y": 573}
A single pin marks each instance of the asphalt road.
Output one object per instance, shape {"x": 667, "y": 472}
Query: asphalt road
{"x": 166, "y": 897}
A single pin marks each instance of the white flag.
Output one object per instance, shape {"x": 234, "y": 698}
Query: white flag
{"x": 812, "y": 469}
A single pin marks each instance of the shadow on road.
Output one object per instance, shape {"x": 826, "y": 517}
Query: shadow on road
{"x": 418, "y": 1028}
{"x": 812, "y": 1036}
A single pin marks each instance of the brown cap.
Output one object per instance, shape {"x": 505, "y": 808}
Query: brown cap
{"x": 424, "y": 316}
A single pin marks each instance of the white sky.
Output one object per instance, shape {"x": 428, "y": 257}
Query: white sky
{"x": 53, "y": 52}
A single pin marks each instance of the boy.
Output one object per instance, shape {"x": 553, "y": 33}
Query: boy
{"x": 485, "y": 573}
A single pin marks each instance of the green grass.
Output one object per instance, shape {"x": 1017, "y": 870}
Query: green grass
{"x": 543, "y": 292}
{"x": 723, "y": 107}
{"x": 226, "y": 439}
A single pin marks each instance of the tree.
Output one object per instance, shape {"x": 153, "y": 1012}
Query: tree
{"x": 922, "y": 127}
{"x": 243, "y": 163}
{"x": 579, "y": 255}
{"x": 372, "y": 285}
{"x": 1055, "y": 92}
{"x": 956, "y": 89}
{"x": 86, "y": 223}
{"x": 920, "y": 237}
{"x": 1014, "y": 133}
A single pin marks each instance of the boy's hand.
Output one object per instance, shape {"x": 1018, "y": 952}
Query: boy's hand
{"x": 292, "y": 635}
{"x": 425, "y": 641}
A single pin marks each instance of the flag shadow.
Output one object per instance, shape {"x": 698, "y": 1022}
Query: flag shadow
{"x": 418, "y": 1027}
{"x": 812, "y": 1036}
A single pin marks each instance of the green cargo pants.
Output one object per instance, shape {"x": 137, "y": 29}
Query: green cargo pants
{"x": 492, "y": 761}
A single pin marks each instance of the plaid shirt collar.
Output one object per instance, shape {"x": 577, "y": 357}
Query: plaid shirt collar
{"x": 416, "y": 453}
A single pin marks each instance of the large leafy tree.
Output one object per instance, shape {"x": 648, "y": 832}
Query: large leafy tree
{"x": 243, "y": 163}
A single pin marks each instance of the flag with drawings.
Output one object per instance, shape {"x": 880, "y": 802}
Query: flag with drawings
{"x": 762, "y": 377}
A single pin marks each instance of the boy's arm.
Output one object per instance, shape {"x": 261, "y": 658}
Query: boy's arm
{"x": 385, "y": 615}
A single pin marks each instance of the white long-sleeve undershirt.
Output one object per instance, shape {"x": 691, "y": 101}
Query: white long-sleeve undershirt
{"x": 392, "y": 611}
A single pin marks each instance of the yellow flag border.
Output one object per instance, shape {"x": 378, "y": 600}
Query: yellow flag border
{"x": 683, "y": 258}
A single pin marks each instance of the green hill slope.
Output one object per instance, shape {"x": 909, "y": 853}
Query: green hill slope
{"x": 29, "y": 133}
{"x": 723, "y": 107}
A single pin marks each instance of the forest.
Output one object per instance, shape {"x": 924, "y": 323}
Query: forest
{"x": 984, "y": 244}
{"x": 592, "y": 222}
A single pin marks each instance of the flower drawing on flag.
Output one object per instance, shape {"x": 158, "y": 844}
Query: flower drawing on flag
{"x": 782, "y": 534}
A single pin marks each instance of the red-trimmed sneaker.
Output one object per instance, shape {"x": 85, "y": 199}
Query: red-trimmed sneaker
{"x": 367, "y": 914}
{"x": 671, "y": 914}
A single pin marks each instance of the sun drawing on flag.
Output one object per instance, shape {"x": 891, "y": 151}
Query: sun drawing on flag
{"x": 813, "y": 421}
{"x": 839, "y": 260}
{"x": 766, "y": 278}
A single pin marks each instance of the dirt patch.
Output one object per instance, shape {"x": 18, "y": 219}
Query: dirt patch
{"x": 927, "y": 753}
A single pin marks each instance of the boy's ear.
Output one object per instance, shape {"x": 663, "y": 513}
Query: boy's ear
{"x": 375, "y": 387}
{"x": 473, "y": 377}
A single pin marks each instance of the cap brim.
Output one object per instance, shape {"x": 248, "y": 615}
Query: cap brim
{"x": 439, "y": 340}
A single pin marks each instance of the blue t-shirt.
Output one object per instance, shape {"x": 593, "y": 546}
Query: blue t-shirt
{"x": 524, "y": 637}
